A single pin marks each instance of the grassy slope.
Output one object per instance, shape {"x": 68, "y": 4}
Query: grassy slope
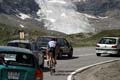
{"x": 8, "y": 33}
{"x": 80, "y": 41}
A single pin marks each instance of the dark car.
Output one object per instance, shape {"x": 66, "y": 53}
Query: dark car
{"x": 18, "y": 64}
{"x": 43, "y": 43}
{"x": 31, "y": 45}
{"x": 65, "y": 47}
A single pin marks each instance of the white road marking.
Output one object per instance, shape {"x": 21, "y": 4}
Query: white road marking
{"x": 71, "y": 76}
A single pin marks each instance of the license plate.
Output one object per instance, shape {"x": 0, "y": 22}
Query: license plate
{"x": 104, "y": 51}
{"x": 13, "y": 75}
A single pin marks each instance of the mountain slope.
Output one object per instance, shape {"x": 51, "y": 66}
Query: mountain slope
{"x": 20, "y": 12}
{"x": 109, "y": 10}
{"x": 75, "y": 16}
{"x": 97, "y": 7}
{"x": 66, "y": 16}
{"x": 17, "y": 6}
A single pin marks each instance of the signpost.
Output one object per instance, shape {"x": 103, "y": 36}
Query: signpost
{"x": 21, "y": 32}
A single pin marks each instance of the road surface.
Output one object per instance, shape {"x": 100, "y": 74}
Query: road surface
{"x": 82, "y": 57}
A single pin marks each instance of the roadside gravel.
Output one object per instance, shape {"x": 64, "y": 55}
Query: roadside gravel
{"x": 108, "y": 71}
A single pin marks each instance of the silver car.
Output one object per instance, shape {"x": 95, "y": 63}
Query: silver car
{"x": 108, "y": 45}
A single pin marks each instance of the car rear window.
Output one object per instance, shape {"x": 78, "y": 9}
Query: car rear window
{"x": 107, "y": 41}
{"x": 60, "y": 42}
{"x": 43, "y": 41}
{"x": 17, "y": 59}
{"x": 21, "y": 45}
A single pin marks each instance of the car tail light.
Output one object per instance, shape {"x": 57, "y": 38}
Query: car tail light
{"x": 115, "y": 46}
{"x": 97, "y": 45}
{"x": 39, "y": 74}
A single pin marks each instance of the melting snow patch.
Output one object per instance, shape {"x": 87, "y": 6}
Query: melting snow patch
{"x": 63, "y": 15}
{"x": 22, "y": 26}
{"x": 57, "y": 1}
{"x": 95, "y": 17}
{"x": 49, "y": 11}
{"x": 50, "y": 19}
{"x": 103, "y": 17}
{"x": 79, "y": 0}
{"x": 90, "y": 16}
{"x": 23, "y": 16}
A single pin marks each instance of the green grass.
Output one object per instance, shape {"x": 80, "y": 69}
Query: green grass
{"x": 8, "y": 33}
{"x": 79, "y": 41}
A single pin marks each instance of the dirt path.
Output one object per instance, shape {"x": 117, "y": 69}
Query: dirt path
{"x": 109, "y": 71}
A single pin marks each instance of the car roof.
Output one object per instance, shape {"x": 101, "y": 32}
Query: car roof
{"x": 47, "y": 36}
{"x": 14, "y": 49}
{"x": 19, "y": 41}
{"x": 112, "y": 37}
{"x": 50, "y": 37}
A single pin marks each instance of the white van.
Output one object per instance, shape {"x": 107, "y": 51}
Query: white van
{"x": 108, "y": 45}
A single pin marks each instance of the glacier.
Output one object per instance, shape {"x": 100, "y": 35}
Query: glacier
{"x": 62, "y": 16}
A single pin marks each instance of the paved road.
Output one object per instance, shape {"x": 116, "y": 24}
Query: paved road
{"x": 82, "y": 57}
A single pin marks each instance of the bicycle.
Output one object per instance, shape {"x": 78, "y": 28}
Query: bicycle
{"x": 51, "y": 66}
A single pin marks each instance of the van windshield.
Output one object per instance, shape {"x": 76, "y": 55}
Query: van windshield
{"x": 107, "y": 41}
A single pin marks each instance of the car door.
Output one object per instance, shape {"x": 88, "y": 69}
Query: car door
{"x": 37, "y": 53}
{"x": 65, "y": 46}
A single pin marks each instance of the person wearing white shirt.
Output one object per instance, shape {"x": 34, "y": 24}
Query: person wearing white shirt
{"x": 51, "y": 51}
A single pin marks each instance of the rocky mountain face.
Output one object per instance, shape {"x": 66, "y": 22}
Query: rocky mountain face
{"x": 106, "y": 13}
{"x": 75, "y": 16}
{"x": 31, "y": 7}
{"x": 97, "y": 7}
{"x": 20, "y": 12}
{"x": 67, "y": 16}
{"x": 17, "y": 6}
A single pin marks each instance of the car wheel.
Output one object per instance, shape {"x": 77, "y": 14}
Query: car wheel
{"x": 98, "y": 54}
{"x": 70, "y": 54}
{"x": 59, "y": 56}
{"x": 118, "y": 53}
